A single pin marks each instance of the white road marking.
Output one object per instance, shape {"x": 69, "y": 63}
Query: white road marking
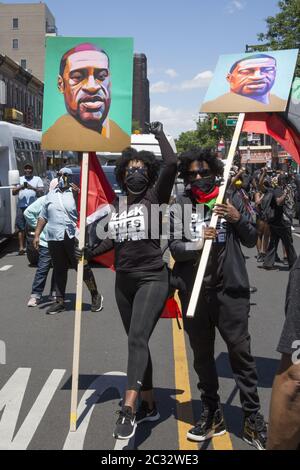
{"x": 6, "y": 268}
{"x": 296, "y": 234}
{"x": 11, "y": 398}
{"x": 34, "y": 417}
{"x": 75, "y": 440}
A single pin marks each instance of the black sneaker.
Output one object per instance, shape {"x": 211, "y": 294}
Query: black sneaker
{"x": 210, "y": 424}
{"x": 260, "y": 258}
{"x": 255, "y": 431}
{"x": 125, "y": 425}
{"x": 97, "y": 303}
{"x": 145, "y": 414}
{"x": 57, "y": 307}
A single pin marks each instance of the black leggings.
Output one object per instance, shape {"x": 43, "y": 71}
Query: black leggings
{"x": 141, "y": 297}
{"x": 63, "y": 257}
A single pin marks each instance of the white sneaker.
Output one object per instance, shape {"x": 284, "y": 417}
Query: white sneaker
{"x": 33, "y": 302}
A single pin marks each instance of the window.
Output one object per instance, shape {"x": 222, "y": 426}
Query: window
{"x": 23, "y": 63}
{"x": 15, "y": 44}
{"x": 15, "y": 23}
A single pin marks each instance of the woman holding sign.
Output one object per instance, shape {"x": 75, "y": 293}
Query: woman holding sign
{"x": 224, "y": 298}
{"x": 142, "y": 283}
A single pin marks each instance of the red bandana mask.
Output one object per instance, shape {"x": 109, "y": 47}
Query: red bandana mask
{"x": 201, "y": 197}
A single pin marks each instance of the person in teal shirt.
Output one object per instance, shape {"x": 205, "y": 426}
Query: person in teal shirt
{"x": 31, "y": 215}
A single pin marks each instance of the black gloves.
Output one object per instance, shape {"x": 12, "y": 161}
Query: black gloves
{"x": 155, "y": 128}
{"x": 87, "y": 252}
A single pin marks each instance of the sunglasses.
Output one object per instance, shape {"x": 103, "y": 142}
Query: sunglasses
{"x": 132, "y": 170}
{"x": 203, "y": 172}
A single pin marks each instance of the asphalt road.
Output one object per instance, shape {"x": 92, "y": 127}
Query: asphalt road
{"x": 35, "y": 380}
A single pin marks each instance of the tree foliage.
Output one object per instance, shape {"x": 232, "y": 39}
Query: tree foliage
{"x": 204, "y": 136}
{"x": 135, "y": 126}
{"x": 284, "y": 29}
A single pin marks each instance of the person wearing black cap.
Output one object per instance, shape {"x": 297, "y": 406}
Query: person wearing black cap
{"x": 28, "y": 190}
{"x": 60, "y": 214}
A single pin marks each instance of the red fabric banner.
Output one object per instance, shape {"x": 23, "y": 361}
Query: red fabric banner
{"x": 274, "y": 125}
{"x": 100, "y": 194}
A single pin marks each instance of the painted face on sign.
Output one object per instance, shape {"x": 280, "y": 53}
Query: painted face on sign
{"x": 253, "y": 78}
{"x": 86, "y": 87}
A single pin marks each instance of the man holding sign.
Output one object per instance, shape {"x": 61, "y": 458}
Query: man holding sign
{"x": 224, "y": 299}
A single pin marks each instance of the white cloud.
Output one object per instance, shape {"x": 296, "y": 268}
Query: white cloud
{"x": 175, "y": 121}
{"x": 160, "y": 87}
{"x": 235, "y": 5}
{"x": 201, "y": 80}
{"x": 171, "y": 73}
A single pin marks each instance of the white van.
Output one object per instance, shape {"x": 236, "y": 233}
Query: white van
{"x": 139, "y": 142}
{"x": 18, "y": 145}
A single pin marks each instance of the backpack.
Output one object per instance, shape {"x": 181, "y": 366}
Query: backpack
{"x": 267, "y": 207}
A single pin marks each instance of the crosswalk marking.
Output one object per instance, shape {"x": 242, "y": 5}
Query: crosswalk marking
{"x": 6, "y": 268}
{"x": 11, "y": 398}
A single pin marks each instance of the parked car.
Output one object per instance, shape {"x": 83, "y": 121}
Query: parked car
{"x": 109, "y": 171}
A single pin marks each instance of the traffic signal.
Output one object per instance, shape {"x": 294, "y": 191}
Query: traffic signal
{"x": 214, "y": 123}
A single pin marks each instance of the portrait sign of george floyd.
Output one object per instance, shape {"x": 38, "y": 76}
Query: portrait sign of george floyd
{"x": 88, "y": 94}
{"x": 251, "y": 82}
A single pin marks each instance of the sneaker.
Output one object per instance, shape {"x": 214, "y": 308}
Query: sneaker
{"x": 255, "y": 431}
{"x": 260, "y": 258}
{"x": 57, "y": 307}
{"x": 125, "y": 425}
{"x": 252, "y": 290}
{"x": 145, "y": 414}
{"x": 33, "y": 302}
{"x": 285, "y": 262}
{"x": 210, "y": 424}
{"x": 97, "y": 303}
{"x": 21, "y": 252}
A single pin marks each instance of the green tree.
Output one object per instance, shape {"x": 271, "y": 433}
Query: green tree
{"x": 187, "y": 141}
{"x": 135, "y": 126}
{"x": 204, "y": 136}
{"x": 283, "y": 29}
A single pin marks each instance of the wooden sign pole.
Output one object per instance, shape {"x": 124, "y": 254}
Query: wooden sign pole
{"x": 214, "y": 219}
{"x": 78, "y": 310}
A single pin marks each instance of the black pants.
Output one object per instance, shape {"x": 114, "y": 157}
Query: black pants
{"x": 63, "y": 257}
{"x": 285, "y": 235}
{"x": 141, "y": 297}
{"x": 229, "y": 314}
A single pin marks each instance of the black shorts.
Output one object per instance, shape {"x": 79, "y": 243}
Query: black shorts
{"x": 20, "y": 219}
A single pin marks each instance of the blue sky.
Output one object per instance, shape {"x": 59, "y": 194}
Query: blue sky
{"x": 182, "y": 41}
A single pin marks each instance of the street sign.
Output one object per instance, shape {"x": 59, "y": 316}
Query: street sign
{"x": 231, "y": 121}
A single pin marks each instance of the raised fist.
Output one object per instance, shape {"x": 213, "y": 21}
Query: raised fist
{"x": 155, "y": 127}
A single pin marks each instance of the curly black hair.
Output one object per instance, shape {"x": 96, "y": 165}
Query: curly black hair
{"x": 201, "y": 155}
{"x": 148, "y": 158}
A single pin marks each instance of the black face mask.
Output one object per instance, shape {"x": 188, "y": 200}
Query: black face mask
{"x": 205, "y": 184}
{"x": 137, "y": 183}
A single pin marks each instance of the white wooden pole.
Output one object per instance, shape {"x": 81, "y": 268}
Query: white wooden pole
{"x": 214, "y": 219}
{"x": 78, "y": 309}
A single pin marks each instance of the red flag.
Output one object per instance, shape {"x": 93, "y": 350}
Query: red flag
{"x": 100, "y": 195}
{"x": 276, "y": 126}
{"x": 171, "y": 309}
